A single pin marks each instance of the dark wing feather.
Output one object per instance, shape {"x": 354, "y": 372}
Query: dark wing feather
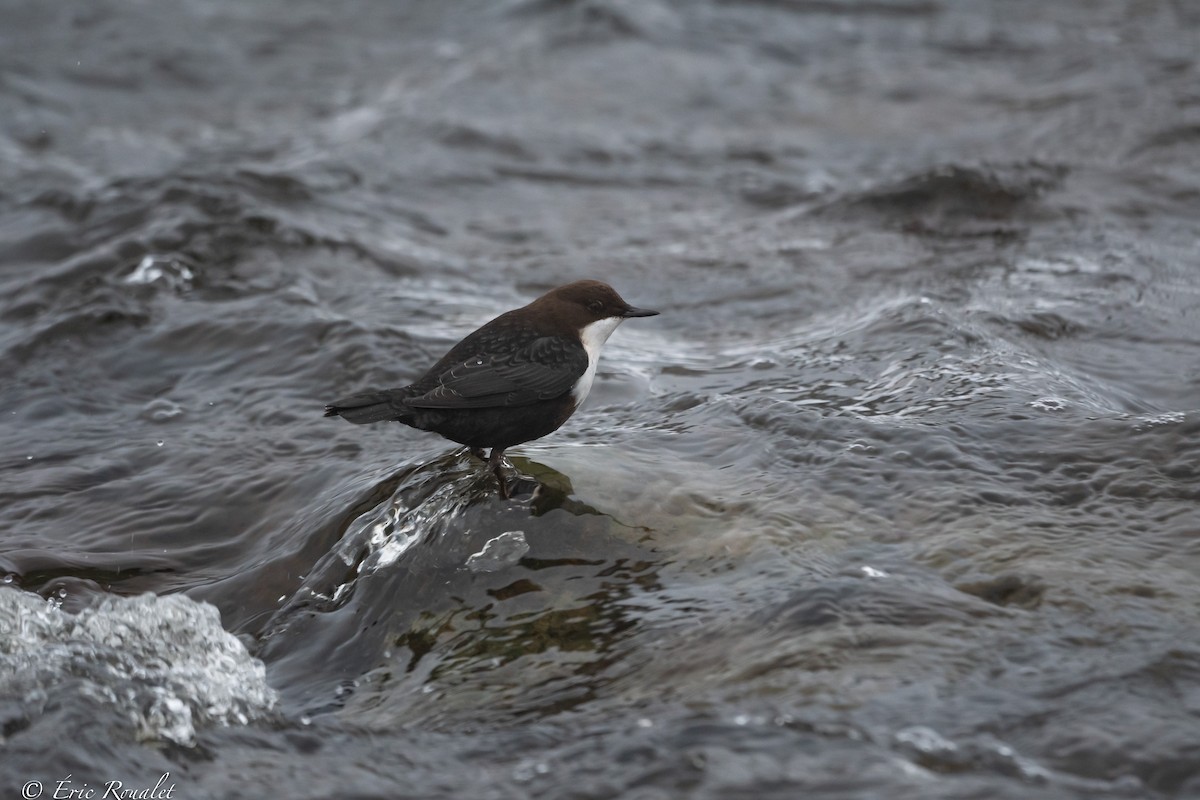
{"x": 545, "y": 368}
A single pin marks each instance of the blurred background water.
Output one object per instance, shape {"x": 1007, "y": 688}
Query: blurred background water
{"x": 897, "y": 498}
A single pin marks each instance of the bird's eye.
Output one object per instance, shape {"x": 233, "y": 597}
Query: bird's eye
{"x": 595, "y": 305}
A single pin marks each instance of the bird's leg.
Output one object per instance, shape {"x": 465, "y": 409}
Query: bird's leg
{"x": 496, "y": 462}
{"x": 479, "y": 453}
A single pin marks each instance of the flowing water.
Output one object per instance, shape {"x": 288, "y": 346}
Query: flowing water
{"x": 899, "y": 497}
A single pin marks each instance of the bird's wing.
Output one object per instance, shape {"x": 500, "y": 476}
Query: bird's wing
{"x": 543, "y": 369}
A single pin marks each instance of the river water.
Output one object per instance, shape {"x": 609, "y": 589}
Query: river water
{"x": 899, "y": 497}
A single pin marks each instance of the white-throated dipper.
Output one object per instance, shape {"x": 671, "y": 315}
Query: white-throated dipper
{"x": 516, "y": 379}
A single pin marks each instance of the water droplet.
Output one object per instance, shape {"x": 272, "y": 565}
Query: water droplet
{"x": 8, "y": 578}
{"x": 159, "y": 443}
{"x": 29, "y": 458}
{"x": 645, "y": 723}
{"x": 169, "y": 271}
{"x": 305, "y": 719}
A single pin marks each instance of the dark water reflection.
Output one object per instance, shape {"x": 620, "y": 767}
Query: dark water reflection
{"x": 897, "y": 498}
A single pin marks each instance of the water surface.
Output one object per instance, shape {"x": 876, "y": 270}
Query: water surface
{"x": 897, "y": 498}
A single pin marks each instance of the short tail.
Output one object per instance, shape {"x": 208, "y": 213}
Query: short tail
{"x": 377, "y": 406}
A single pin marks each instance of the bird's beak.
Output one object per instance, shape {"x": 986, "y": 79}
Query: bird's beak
{"x": 638, "y": 312}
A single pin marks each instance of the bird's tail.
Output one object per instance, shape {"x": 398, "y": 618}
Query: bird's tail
{"x": 376, "y": 406}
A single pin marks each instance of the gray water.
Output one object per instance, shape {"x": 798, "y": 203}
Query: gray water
{"x": 897, "y": 498}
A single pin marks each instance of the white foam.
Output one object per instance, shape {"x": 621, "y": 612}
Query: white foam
{"x": 158, "y": 269}
{"x": 164, "y": 662}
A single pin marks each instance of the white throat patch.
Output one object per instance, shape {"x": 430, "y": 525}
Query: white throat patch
{"x": 594, "y": 336}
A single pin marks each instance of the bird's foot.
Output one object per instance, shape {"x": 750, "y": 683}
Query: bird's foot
{"x": 496, "y": 462}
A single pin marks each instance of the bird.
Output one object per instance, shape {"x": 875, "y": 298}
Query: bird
{"x": 516, "y": 379}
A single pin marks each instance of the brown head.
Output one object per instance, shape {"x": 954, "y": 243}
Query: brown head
{"x": 580, "y": 304}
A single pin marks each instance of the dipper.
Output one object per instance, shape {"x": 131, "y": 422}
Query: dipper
{"x": 516, "y": 379}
